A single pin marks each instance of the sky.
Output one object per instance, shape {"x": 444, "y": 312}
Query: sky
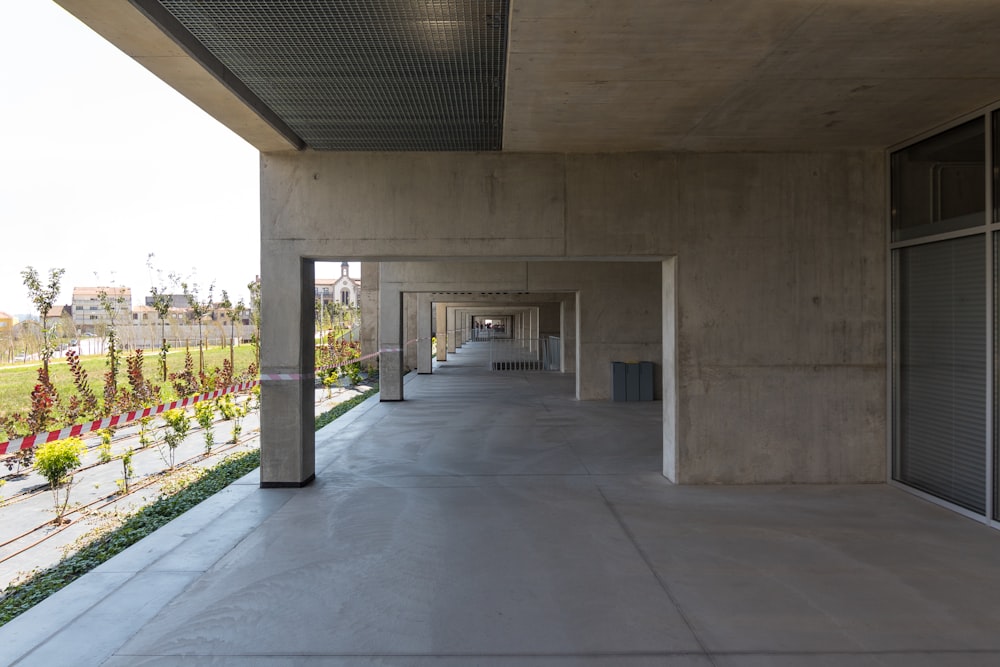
{"x": 103, "y": 164}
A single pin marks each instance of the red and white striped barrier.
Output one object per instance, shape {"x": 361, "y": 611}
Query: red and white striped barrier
{"x": 29, "y": 441}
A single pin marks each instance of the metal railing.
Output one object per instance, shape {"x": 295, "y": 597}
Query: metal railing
{"x": 483, "y": 333}
{"x": 525, "y": 354}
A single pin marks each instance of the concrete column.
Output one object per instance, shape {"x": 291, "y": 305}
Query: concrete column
{"x": 287, "y": 441}
{"x": 576, "y": 346}
{"x": 442, "y": 331}
{"x": 452, "y": 334}
{"x": 425, "y": 364}
{"x": 533, "y": 329}
{"x": 670, "y": 369}
{"x": 390, "y": 328}
{"x": 567, "y": 332}
{"x": 410, "y": 329}
{"x": 369, "y": 313}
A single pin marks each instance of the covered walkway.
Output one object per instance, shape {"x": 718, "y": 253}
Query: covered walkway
{"x": 491, "y": 519}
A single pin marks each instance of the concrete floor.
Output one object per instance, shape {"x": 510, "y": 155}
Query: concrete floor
{"x": 490, "y": 519}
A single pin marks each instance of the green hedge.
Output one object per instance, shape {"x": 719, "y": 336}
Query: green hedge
{"x": 341, "y": 408}
{"x": 18, "y": 598}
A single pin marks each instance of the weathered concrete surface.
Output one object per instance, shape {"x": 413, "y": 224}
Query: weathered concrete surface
{"x": 494, "y": 520}
{"x": 369, "y": 306}
{"x": 730, "y": 75}
{"x": 669, "y": 368}
{"x": 781, "y": 336}
{"x": 568, "y": 325}
{"x": 620, "y": 320}
{"x": 390, "y": 329}
{"x": 424, "y": 333}
{"x": 441, "y": 322}
{"x": 779, "y": 286}
{"x": 287, "y": 424}
{"x": 410, "y": 331}
{"x": 735, "y": 75}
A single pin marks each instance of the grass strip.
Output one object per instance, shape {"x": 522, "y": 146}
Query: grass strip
{"x": 18, "y": 598}
{"x": 17, "y": 382}
{"x": 339, "y": 409}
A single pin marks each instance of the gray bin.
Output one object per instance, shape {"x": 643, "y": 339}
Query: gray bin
{"x": 632, "y": 381}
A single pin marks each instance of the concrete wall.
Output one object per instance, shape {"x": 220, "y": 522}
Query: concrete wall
{"x": 548, "y": 322}
{"x": 781, "y": 341}
{"x": 780, "y": 277}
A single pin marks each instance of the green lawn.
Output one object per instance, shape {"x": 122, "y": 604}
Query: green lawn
{"x": 17, "y": 382}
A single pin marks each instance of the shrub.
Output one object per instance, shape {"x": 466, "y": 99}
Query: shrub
{"x": 127, "y": 471}
{"x": 226, "y": 407}
{"x": 55, "y": 461}
{"x": 178, "y": 425}
{"x": 239, "y": 412}
{"x": 104, "y": 449}
{"x": 204, "y": 412}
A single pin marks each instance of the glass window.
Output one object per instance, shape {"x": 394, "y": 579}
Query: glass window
{"x": 940, "y": 369}
{"x": 939, "y": 184}
{"x": 996, "y": 166}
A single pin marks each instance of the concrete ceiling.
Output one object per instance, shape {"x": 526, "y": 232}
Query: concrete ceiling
{"x": 699, "y": 75}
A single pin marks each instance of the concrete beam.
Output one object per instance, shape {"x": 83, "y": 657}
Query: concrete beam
{"x": 124, "y": 25}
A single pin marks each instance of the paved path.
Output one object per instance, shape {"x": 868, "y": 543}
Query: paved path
{"x": 490, "y": 519}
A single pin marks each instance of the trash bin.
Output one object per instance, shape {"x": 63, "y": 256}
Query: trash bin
{"x": 632, "y": 381}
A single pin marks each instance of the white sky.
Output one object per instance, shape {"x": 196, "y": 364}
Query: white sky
{"x": 103, "y": 164}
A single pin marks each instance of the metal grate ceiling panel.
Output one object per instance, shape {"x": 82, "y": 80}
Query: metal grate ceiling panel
{"x": 371, "y": 75}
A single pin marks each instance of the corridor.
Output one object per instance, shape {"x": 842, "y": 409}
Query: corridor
{"x": 491, "y": 519}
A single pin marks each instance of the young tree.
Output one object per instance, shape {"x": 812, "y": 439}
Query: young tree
{"x": 161, "y": 304}
{"x": 234, "y": 312}
{"x": 112, "y": 306}
{"x": 199, "y": 309}
{"x": 7, "y": 344}
{"x": 254, "y": 287}
{"x": 178, "y": 425}
{"x": 44, "y": 297}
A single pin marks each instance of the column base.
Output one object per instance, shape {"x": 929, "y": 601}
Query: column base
{"x": 288, "y": 485}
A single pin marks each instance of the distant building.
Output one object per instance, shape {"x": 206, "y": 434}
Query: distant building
{"x": 88, "y": 312}
{"x": 144, "y": 314}
{"x": 57, "y": 312}
{"x": 343, "y": 290}
{"x": 7, "y": 322}
{"x": 176, "y": 300}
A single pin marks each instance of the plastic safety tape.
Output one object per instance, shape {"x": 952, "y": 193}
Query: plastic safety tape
{"x": 29, "y": 441}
